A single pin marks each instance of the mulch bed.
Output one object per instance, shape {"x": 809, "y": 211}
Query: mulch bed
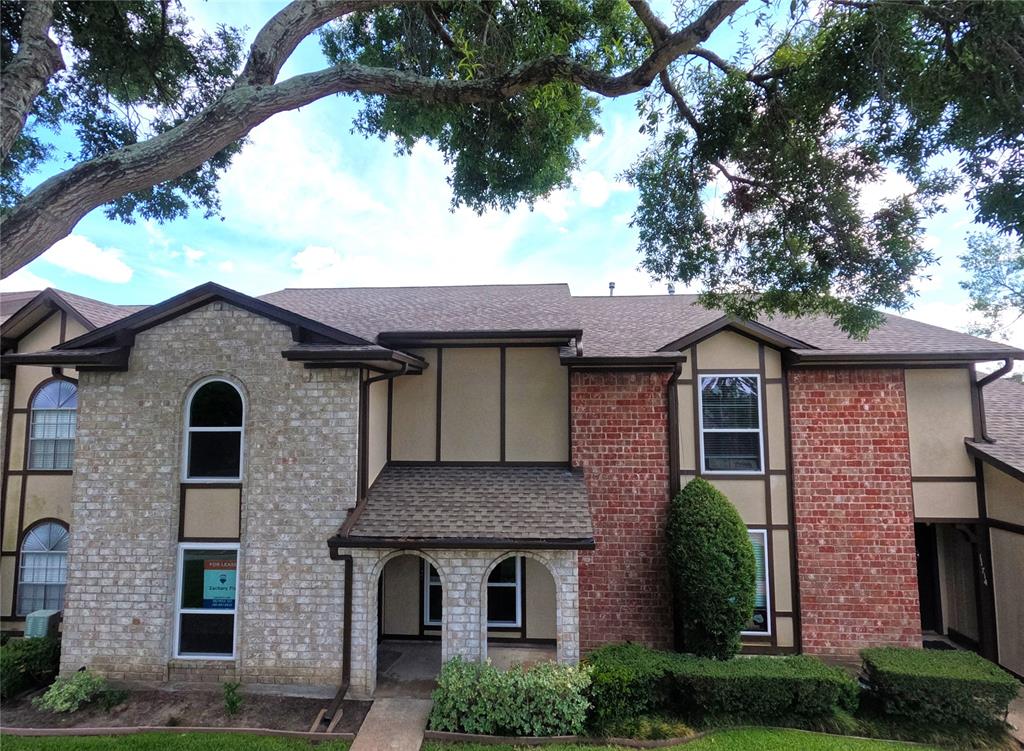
{"x": 186, "y": 708}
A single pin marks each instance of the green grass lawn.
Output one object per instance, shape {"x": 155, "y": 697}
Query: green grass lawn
{"x": 167, "y": 742}
{"x": 759, "y": 739}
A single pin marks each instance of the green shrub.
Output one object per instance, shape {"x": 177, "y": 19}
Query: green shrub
{"x": 232, "y": 699}
{"x": 930, "y": 686}
{"x": 713, "y": 571}
{"x": 68, "y": 694}
{"x": 629, "y": 681}
{"x": 546, "y": 699}
{"x": 27, "y": 663}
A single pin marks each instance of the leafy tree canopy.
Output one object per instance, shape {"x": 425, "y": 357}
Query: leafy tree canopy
{"x": 821, "y": 101}
{"x": 996, "y": 282}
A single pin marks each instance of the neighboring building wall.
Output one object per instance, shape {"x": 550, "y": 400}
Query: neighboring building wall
{"x": 463, "y": 575}
{"x": 939, "y": 417}
{"x": 761, "y": 499}
{"x": 620, "y": 439}
{"x": 299, "y": 477}
{"x": 854, "y": 510}
{"x": 28, "y": 497}
{"x": 1004, "y": 498}
{"x": 481, "y": 391}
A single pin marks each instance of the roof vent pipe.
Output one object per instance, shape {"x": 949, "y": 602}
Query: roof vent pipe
{"x": 671, "y": 288}
{"x": 611, "y": 288}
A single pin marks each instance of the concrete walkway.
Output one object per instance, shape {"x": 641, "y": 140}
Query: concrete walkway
{"x": 393, "y": 725}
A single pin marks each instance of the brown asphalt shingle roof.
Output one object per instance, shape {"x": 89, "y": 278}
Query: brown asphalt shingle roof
{"x": 367, "y": 311}
{"x": 498, "y": 504}
{"x": 624, "y": 326}
{"x": 1004, "y": 422}
{"x": 97, "y": 312}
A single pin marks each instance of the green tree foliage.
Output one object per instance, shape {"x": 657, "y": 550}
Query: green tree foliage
{"x": 712, "y": 569}
{"x": 134, "y": 69}
{"x": 996, "y": 284}
{"x": 764, "y": 163}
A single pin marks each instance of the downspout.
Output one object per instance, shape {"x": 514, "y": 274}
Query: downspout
{"x": 673, "y": 431}
{"x": 346, "y": 646}
{"x": 1006, "y": 367}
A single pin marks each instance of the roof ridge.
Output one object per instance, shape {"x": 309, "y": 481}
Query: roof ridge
{"x": 426, "y": 286}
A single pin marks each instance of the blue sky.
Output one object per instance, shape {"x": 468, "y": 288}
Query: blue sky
{"x": 307, "y": 203}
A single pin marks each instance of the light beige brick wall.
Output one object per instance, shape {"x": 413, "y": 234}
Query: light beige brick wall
{"x": 464, "y": 583}
{"x": 299, "y": 480}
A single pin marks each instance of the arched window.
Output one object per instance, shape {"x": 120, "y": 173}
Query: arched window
{"x": 52, "y": 431}
{"x": 43, "y": 570}
{"x": 213, "y": 442}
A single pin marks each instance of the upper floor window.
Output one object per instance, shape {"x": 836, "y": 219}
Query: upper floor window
{"x": 213, "y": 441}
{"x": 52, "y": 432}
{"x": 43, "y": 570}
{"x": 730, "y": 424}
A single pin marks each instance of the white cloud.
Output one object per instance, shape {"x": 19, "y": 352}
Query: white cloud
{"x": 193, "y": 256}
{"x": 226, "y": 266}
{"x": 892, "y": 185}
{"x": 595, "y": 189}
{"x": 80, "y": 255}
{"x": 23, "y": 280}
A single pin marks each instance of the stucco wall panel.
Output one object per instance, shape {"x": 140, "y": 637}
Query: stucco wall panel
{"x": 746, "y": 495}
{"x": 211, "y": 512}
{"x": 1004, "y": 496}
{"x": 401, "y": 606}
{"x": 536, "y": 405}
{"x": 540, "y": 602}
{"x": 376, "y": 429}
{"x": 471, "y": 404}
{"x": 47, "y": 496}
{"x": 1007, "y": 565}
{"x": 946, "y": 500}
{"x": 414, "y": 416}
{"x": 939, "y": 416}
{"x": 727, "y": 350}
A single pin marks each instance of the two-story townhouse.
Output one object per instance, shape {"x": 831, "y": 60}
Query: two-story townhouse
{"x": 273, "y": 488}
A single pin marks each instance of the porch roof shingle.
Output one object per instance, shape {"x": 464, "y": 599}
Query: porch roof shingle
{"x": 487, "y": 506}
{"x": 1004, "y": 423}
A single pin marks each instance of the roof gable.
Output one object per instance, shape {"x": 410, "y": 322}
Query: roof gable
{"x": 122, "y": 333}
{"x": 751, "y": 329}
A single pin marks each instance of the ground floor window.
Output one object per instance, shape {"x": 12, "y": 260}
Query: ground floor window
{"x": 760, "y": 622}
{"x": 432, "y": 596}
{"x": 43, "y": 569}
{"x": 504, "y": 605}
{"x": 207, "y": 600}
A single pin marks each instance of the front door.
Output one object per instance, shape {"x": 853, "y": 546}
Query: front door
{"x": 928, "y": 578}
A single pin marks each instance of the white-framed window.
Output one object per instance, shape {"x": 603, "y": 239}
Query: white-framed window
{"x": 730, "y": 424}
{"x": 504, "y": 604}
{"x": 206, "y": 601}
{"x": 43, "y": 568}
{"x": 214, "y": 432}
{"x": 432, "y": 596}
{"x": 761, "y": 622}
{"x": 51, "y": 443}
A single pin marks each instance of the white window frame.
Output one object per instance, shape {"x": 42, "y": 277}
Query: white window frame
{"x": 517, "y": 584}
{"x": 759, "y": 430}
{"x": 767, "y": 585}
{"x": 32, "y": 411}
{"x": 21, "y": 568}
{"x": 189, "y": 430}
{"x": 179, "y": 611}
{"x": 427, "y": 565}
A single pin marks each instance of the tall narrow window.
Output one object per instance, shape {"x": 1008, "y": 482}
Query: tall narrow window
{"x": 52, "y": 431}
{"x": 760, "y": 622}
{"x": 43, "y": 570}
{"x": 504, "y": 608}
{"x": 207, "y": 597}
{"x": 214, "y": 433}
{"x": 730, "y": 424}
{"x": 432, "y": 596}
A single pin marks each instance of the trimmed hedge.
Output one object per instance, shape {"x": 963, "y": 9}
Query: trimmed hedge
{"x": 712, "y": 567}
{"x": 629, "y": 680}
{"x": 546, "y": 699}
{"x": 28, "y": 663}
{"x": 929, "y": 686}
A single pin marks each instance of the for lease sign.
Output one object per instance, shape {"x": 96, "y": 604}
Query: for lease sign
{"x": 219, "y": 584}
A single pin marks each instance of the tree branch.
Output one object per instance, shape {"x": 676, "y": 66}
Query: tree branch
{"x": 51, "y": 210}
{"x": 37, "y": 60}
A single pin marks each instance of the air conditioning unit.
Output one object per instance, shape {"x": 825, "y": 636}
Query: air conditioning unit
{"x": 40, "y": 623}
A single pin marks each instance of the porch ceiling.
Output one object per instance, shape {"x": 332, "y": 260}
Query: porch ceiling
{"x": 471, "y": 507}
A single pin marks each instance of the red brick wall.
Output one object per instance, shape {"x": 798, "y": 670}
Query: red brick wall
{"x": 620, "y": 438}
{"x": 854, "y": 510}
